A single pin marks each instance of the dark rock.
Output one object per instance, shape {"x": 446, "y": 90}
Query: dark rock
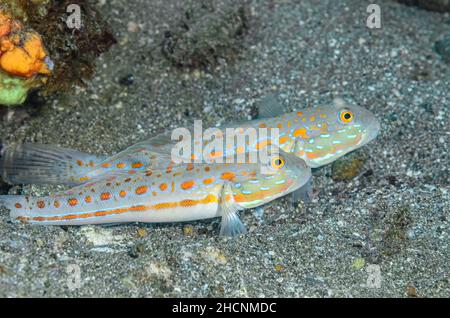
{"x": 432, "y": 5}
{"x": 136, "y": 250}
{"x": 392, "y": 180}
{"x": 127, "y": 80}
{"x": 442, "y": 47}
{"x": 205, "y": 36}
{"x": 388, "y": 233}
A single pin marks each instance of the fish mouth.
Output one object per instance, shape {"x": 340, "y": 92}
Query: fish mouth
{"x": 372, "y": 132}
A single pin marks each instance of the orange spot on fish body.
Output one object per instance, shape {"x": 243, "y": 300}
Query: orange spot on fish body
{"x": 72, "y": 202}
{"x": 187, "y": 184}
{"x": 105, "y": 196}
{"x": 122, "y": 193}
{"x": 120, "y": 165}
{"x": 299, "y": 114}
{"x": 169, "y": 168}
{"x": 88, "y": 199}
{"x": 137, "y": 165}
{"x": 79, "y": 162}
{"x": 215, "y": 154}
{"x": 208, "y": 181}
{"x": 18, "y": 206}
{"x": 301, "y": 132}
{"x": 56, "y": 204}
{"x": 207, "y": 169}
{"x": 189, "y": 167}
{"x": 141, "y": 190}
{"x": 106, "y": 165}
{"x": 263, "y": 144}
{"x": 283, "y": 139}
{"x": 163, "y": 186}
{"x": 41, "y": 204}
{"x": 227, "y": 175}
{"x": 262, "y": 125}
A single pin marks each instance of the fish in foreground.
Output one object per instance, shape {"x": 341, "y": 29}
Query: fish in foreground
{"x": 185, "y": 192}
{"x": 318, "y": 135}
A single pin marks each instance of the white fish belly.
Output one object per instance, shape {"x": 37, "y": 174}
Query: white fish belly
{"x": 175, "y": 214}
{"x": 180, "y": 214}
{"x": 170, "y": 208}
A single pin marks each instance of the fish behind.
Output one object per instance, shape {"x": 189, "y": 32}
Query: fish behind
{"x": 318, "y": 135}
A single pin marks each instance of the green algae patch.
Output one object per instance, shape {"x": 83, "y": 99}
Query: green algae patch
{"x": 13, "y": 91}
{"x": 348, "y": 167}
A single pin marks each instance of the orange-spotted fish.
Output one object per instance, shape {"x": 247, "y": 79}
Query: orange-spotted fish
{"x": 184, "y": 193}
{"x": 318, "y": 135}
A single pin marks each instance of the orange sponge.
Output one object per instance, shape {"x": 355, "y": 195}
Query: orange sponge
{"x": 5, "y": 25}
{"x": 25, "y": 61}
{"x": 22, "y": 53}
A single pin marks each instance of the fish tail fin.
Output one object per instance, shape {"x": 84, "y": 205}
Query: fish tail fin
{"x": 45, "y": 164}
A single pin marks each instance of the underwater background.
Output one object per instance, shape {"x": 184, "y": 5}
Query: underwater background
{"x": 379, "y": 223}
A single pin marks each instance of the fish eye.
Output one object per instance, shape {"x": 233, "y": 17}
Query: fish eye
{"x": 346, "y": 116}
{"x": 277, "y": 163}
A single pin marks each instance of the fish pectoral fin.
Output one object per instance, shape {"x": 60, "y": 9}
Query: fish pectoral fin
{"x": 303, "y": 194}
{"x": 259, "y": 213}
{"x": 270, "y": 107}
{"x": 231, "y": 225}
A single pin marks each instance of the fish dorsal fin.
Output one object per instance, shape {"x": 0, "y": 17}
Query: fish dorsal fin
{"x": 270, "y": 107}
{"x": 159, "y": 140}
